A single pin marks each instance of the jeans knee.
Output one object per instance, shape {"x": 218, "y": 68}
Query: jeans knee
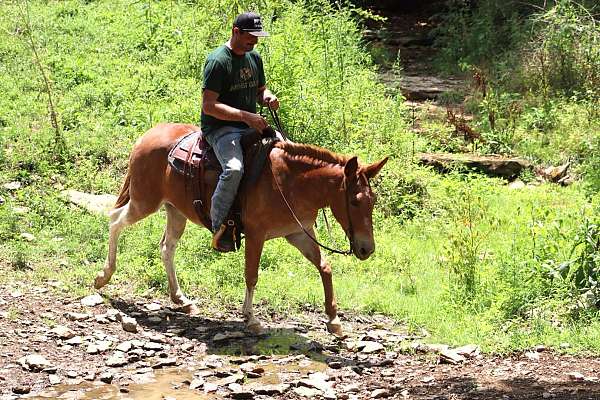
{"x": 233, "y": 175}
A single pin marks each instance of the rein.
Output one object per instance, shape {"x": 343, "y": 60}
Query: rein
{"x": 350, "y": 234}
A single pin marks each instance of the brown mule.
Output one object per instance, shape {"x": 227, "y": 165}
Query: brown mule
{"x": 309, "y": 177}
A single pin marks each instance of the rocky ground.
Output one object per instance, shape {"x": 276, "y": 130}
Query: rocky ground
{"x": 54, "y": 347}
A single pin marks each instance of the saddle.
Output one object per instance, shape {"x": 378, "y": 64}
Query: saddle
{"x": 192, "y": 156}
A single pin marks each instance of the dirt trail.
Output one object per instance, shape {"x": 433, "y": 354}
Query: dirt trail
{"x": 112, "y": 348}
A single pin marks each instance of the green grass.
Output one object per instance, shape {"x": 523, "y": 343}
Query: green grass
{"x": 464, "y": 257}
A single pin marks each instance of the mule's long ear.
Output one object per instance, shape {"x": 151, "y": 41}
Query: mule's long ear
{"x": 351, "y": 167}
{"x": 373, "y": 169}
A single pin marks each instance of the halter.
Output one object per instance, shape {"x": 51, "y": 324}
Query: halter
{"x": 349, "y": 235}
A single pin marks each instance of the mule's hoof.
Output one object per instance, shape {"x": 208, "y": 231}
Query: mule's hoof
{"x": 255, "y": 328}
{"x": 190, "y": 309}
{"x": 335, "y": 328}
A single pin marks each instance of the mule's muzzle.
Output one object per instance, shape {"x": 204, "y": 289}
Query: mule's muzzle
{"x": 363, "y": 249}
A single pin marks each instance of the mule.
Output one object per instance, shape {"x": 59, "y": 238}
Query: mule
{"x": 309, "y": 178}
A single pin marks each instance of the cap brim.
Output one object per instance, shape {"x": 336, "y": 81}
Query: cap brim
{"x": 258, "y": 33}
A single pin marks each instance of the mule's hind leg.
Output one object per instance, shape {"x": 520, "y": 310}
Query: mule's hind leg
{"x": 173, "y": 231}
{"x": 311, "y": 251}
{"x": 119, "y": 219}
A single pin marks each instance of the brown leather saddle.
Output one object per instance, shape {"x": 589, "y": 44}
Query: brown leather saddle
{"x": 192, "y": 156}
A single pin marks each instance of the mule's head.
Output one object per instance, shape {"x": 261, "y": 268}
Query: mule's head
{"x": 354, "y": 208}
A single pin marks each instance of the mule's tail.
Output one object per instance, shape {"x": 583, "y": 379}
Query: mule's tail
{"x": 124, "y": 193}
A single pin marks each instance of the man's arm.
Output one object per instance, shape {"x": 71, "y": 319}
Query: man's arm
{"x": 213, "y": 107}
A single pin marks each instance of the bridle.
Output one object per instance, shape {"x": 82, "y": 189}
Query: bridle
{"x": 350, "y": 230}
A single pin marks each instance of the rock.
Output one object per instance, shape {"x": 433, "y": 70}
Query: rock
{"x": 468, "y": 351}
{"x": 335, "y": 364}
{"x": 270, "y": 390}
{"x": 21, "y": 389}
{"x": 154, "y": 320}
{"x": 14, "y": 185}
{"x": 106, "y": 377}
{"x": 28, "y": 236}
{"x": 451, "y": 357}
{"x": 92, "y": 300}
{"x": 72, "y": 374}
{"x": 153, "y": 307}
{"x": 2, "y": 201}
{"x": 166, "y": 362}
{"x": 74, "y": 341}
{"x": 197, "y": 383}
{"x": 380, "y": 393}
{"x": 103, "y": 345}
{"x": 35, "y": 363}
{"x": 152, "y": 346}
{"x": 210, "y": 387}
{"x": 62, "y": 332}
{"x": 239, "y": 392}
{"x": 368, "y": 347}
{"x": 235, "y": 378}
{"x": 306, "y": 392}
{"x": 576, "y": 376}
{"x": 429, "y": 348}
{"x": 533, "y": 356}
{"x": 96, "y": 204}
{"x": 116, "y": 360}
{"x": 124, "y": 346}
{"x": 317, "y": 380}
{"x": 187, "y": 347}
{"x": 548, "y": 395}
{"x": 129, "y": 324}
{"x": 427, "y": 379}
{"x": 73, "y": 316}
{"x": 554, "y": 174}
{"x": 16, "y": 294}
{"x": 516, "y": 184}
{"x": 54, "y": 379}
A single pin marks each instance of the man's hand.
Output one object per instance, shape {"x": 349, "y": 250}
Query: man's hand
{"x": 270, "y": 100}
{"x": 255, "y": 121}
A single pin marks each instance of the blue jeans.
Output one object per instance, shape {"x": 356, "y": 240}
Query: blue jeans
{"x": 226, "y": 143}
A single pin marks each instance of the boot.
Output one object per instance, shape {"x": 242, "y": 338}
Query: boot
{"x": 224, "y": 239}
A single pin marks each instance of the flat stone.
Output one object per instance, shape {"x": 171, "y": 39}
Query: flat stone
{"x": 28, "y": 236}
{"x": 92, "y": 300}
{"x": 106, "y": 377}
{"x": 197, "y": 383}
{"x": 21, "y": 389}
{"x": 306, "y": 392}
{"x": 116, "y": 360}
{"x": 73, "y": 316}
{"x": 235, "y": 378}
{"x": 271, "y": 390}
{"x": 14, "y": 185}
{"x": 380, "y": 393}
{"x": 153, "y": 307}
{"x": 74, "y": 341}
{"x": 72, "y": 374}
{"x": 96, "y": 204}
{"x": 451, "y": 357}
{"x": 35, "y": 362}
{"x": 129, "y": 324}
{"x": 54, "y": 379}
{"x": 210, "y": 387}
{"x": 62, "y": 332}
{"x": 152, "y": 346}
{"x": 368, "y": 347}
{"x": 124, "y": 346}
{"x": 103, "y": 345}
{"x": 166, "y": 362}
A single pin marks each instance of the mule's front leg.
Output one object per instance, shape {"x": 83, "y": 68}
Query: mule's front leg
{"x": 253, "y": 251}
{"x": 311, "y": 251}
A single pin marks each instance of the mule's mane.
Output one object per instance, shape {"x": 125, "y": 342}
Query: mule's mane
{"x": 311, "y": 153}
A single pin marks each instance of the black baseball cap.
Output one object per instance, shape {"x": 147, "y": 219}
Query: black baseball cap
{"x": 250, "y": 22}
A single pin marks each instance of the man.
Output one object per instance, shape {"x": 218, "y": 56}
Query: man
{"x": 234, "y": 81}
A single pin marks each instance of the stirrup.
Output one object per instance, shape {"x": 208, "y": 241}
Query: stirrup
{"x": 224, "y": 239}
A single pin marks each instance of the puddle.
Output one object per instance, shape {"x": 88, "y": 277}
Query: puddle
{"x": 283, "y": 355}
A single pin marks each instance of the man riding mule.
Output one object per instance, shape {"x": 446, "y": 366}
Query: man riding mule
{"x": 295, "y": 183}
{"x": 234, "y": 81}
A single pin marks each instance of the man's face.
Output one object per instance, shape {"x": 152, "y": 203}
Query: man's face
{"x": 246, "y": 41}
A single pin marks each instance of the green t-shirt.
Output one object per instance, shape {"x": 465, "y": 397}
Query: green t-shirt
{"x": 236, "y": 79}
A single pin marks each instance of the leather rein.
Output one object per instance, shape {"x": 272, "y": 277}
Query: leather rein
{"x": 349, "y": 233}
